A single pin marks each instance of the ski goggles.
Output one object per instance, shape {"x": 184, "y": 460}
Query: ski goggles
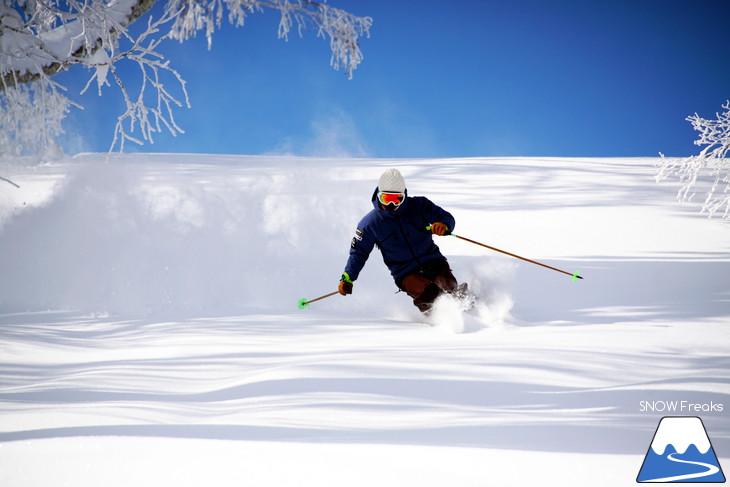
{"x": 391, "y": 198}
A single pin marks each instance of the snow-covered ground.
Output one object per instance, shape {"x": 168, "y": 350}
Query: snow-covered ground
{"x": 150, "y": 335}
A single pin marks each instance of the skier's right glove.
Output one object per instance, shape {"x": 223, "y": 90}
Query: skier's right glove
{"x": 345, "y": 286}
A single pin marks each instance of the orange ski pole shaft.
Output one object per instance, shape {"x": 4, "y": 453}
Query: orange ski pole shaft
{"x": 573, "y": 275}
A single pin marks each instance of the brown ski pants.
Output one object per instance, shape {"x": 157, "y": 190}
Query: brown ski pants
{"x": 426, "y": 284}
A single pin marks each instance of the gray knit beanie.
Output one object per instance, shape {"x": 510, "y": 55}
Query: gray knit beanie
{"x": 391, "y": 181}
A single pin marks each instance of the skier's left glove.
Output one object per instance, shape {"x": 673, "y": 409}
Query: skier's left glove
{"x": 439, "y": 228}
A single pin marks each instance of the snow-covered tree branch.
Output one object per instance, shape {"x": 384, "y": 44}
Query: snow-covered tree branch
{"x": 40, "y": 38}
{"x": 715, "y": 137}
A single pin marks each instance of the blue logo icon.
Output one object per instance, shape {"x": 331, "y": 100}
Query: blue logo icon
{"x": 681, "y": 452}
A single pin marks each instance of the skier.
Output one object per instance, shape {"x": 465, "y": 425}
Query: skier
{"x": 398, "y": 227}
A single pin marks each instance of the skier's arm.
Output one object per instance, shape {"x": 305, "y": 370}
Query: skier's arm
{"x": 360, "y": 248}
{"x": 436, "y": 214}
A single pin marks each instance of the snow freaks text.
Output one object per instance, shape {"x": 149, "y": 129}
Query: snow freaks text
{"x": 680, "y": 407}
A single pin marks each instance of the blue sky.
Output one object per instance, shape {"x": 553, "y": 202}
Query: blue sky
{"x": 449, "y": 79}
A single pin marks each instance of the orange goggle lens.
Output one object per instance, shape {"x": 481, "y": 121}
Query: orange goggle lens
{"x": 391, "y": 198}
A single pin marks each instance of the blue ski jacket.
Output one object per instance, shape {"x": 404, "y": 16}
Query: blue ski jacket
{"x": 400, "y": 235}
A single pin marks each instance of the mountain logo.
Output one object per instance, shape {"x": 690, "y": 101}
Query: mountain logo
{"x": 681, "y": 452}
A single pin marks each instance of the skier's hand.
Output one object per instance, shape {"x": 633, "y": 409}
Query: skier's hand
{"x": 345, "y": 288}
{"x": 439, "y": 228}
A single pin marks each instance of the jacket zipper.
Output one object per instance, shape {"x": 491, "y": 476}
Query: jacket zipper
{"x": 410, "y": 248}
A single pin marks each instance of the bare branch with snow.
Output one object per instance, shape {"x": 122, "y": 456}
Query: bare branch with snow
{"x": 39, "y": 38}
{"x": 715, "y": 137}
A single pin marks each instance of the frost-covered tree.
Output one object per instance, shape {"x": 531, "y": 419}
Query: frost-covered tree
{"x": 715, "y": 137}
{"x": 40, "y": 38}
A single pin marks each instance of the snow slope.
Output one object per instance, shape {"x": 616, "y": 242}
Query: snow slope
{"x": 149, "y": 332}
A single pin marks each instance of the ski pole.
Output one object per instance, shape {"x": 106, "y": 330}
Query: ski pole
{"x": 575, "y": 276}
{"x": 304, "y": 302}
